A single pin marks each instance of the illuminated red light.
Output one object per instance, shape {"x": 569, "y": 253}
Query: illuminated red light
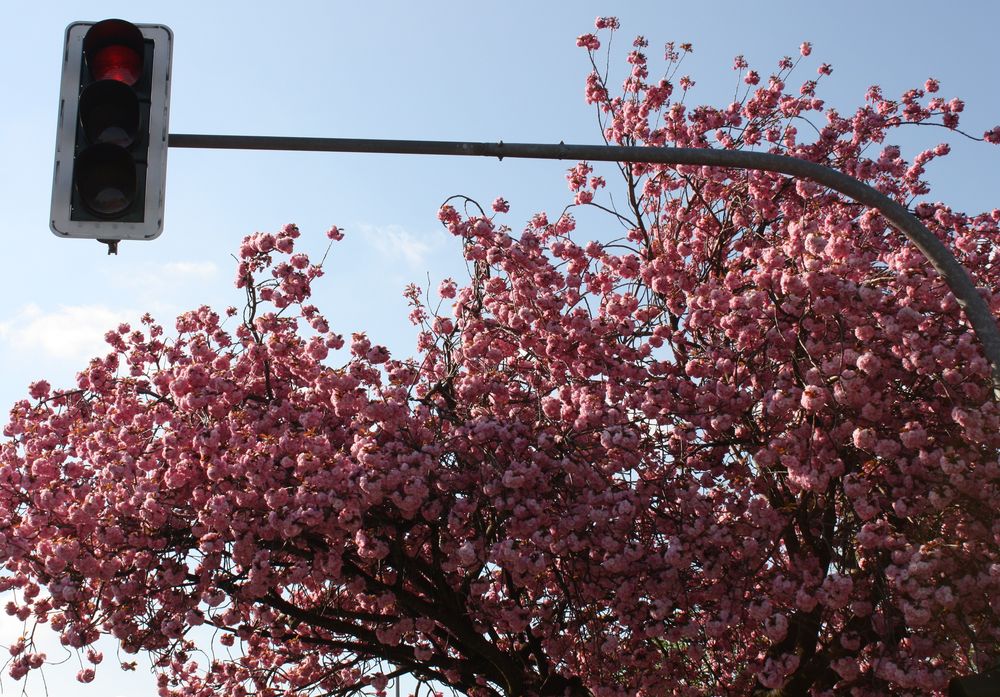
{"x": 115, "y": 50}
{"x": 119, "y": 63}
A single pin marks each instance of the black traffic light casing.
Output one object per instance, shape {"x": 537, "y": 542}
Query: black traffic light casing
{"x": 111, "y": 142}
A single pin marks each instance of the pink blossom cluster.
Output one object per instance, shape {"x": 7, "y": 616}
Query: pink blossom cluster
{"x": 751, "y": 446}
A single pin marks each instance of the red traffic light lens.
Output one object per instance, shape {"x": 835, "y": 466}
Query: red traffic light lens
{"x": 105, "y": 179}
{"x": 119, "y": 63}
{"x": 114, "y": 50}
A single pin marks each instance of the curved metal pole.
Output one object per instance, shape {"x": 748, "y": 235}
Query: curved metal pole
{"x": 944, "y": 262}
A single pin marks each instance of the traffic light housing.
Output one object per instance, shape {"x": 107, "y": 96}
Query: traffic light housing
{"x": 111, "y": 143}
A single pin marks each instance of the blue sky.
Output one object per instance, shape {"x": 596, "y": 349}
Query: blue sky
{"x": 443, "y": 70}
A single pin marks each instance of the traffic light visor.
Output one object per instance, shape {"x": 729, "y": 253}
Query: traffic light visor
{"x": 114, "y": 51}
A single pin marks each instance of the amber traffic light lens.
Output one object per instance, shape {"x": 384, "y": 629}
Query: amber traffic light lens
{"x": 109, "y": 113}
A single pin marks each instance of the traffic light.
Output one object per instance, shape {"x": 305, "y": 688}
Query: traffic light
{"x": 111, "y": 143}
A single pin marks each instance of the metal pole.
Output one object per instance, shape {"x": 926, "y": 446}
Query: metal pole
{"x": 944, "y": 262}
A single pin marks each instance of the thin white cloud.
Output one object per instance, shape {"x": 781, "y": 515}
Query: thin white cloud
{"x": 187, "y": 269}
{"x": 395, "y": 241}
{"x": 157, "y": 277}
{"x": 69, "y": 332}
{"x": 168, "y": 288}
{"x": 75, "y": 333}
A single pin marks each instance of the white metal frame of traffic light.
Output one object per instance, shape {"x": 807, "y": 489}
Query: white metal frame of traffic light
{"x": 62, "y": 184}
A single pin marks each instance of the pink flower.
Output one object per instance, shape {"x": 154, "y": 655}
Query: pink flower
{"x": 846, "y": 668}
{"x": 814, "y": 397}
{"x": 869, "y": 363}
{"x": 466, "y": 553}
{"x": 447, "y": 288}
{"x": 914, "y": 436}
{"x": 39, "y": 389}
{"x": 815, "y": 244}
{"x": 264, "y": 243}
{"x": 377, "y": 354}
{"x": 776, "y": 627}
{"x": 448, "y": 215}
{"x": 864, "y": 438}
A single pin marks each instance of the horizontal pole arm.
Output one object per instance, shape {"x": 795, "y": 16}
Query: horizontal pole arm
{"x": 955, "y": 275}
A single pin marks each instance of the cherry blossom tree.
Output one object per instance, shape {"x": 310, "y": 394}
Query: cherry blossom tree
{"x": 746, "y": 447}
